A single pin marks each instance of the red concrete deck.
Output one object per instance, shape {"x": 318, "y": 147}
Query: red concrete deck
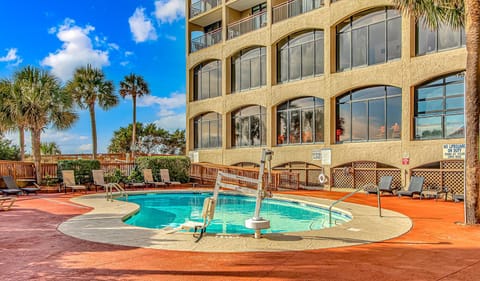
{"x": 437, "y": 248}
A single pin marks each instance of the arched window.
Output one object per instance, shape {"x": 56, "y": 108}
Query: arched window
{"x": 369, "y": 114}
{"x": 439, "y": 108}
{"x": 444, "y": 38}
{"x": 249, "y": 69}
{"x": 249, "y": 126}
{"x": 371, "y": 37}
{"x": 300, "y": 121}
{"x": 208, "y": 130}
{"x": 207, "y": 80}
{"x": 300, "y": 56}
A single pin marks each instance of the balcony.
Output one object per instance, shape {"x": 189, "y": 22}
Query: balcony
{"x": 294, "y": 8}
{"x": 202, "y": 6}
{"x": 247, "y": 24}
{"x": 206, "y": 40}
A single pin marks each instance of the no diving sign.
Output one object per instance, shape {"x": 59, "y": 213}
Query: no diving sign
{"x": 454, "y": 151}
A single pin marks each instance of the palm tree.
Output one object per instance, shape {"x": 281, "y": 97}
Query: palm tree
{"x": 50, "y": 148}
{"x": 88, "y": 87}
{"x": 10, "y": 120}
{"x": 135, "y": 86}
{"x": 41, "y": 102}
{"x": 458, "y": 13}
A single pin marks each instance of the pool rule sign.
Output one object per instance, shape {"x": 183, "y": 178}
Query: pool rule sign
{"x": 454, "y": 151}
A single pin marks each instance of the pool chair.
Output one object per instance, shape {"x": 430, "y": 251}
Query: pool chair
{"x": 6, "y": 202}
{"x": 165, "y": 175}
{"x": 458, "y": 197}
{"x": 415, "y": 187}
{"x": 98, "y": 179}
{"x": 12, "y": 188}
{"x": 148, "y": 177}
{"x": 11, "y": 184}
{"x": 385, "y": 185}
{"x": 69, "y": 181}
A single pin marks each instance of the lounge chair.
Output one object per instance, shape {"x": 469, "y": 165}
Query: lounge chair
{"x": 69, "y": 181}
{"x": 6, "y": 202}
{"x": 148, "y": 177}
{"x": 415, "y": 187}
{"x": 99, "y": 179}
{"x": 12, "y": 188}
{"x": 458, "y": 197}
{"x": 385, "y": 185}
{"x": 165, "y": 175}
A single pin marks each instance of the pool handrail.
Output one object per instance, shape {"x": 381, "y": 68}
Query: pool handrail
{"x": 352, "y": 193}
{"x": 109, "y": 191}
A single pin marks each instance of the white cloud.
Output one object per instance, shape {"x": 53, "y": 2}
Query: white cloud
{"x": 169, "y": 10}
{"x": 85, "y": 147}
{"x": 171, "y": 37}
{"x": 77, "y": 50}
{"x": 176, "y": 100}
{"x": 114, "y": 46}
{"x": 141, "y": 27}
{"x": 128, "y": 53}
{"x": 11, "y": 57}
{"x": 172, "y": 122}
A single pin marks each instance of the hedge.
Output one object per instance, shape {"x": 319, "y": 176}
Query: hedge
{"x": 178, "y": 166}
{"x": 81, "y": 167}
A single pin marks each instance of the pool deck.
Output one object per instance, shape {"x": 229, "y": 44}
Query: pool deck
{"x": 436, "y": 248}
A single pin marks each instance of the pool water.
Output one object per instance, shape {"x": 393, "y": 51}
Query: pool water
{"x": 159, "y": 210}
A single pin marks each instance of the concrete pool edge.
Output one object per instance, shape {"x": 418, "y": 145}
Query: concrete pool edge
{"x": 104, "y": 224}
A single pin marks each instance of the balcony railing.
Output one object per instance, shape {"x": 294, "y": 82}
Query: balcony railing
{"x": 294, "y": 8}
{"x": 203, "y": 6}
{"x": 247, "y": 24}
{"x": 206, "y": 40}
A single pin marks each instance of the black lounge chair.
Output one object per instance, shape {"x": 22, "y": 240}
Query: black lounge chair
{"x": 385, "y": 185}
{"x": 12, "y": 188}
{"x": 12, "y": 185}
{"x": 415, "y": 187}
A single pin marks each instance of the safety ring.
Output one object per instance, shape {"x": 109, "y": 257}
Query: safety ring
{"x": 322, "y": 178}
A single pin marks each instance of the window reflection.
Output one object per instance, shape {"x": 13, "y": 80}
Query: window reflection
{"x": 249, "y": 69}
{"x": 207, "y": 80}
{"x": 369, "y": 114}
{"x": 300, "y": 56}
{"x": 300, "y": 121}
{"x": 249, "y": 126}
{"x": 439, "y": 107}
{"x": 443, "y": 38}
{"x": 369, "y": 38}
{"x": 208, "y": 130}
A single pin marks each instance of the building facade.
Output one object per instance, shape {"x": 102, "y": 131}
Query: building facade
{"x": 328, "y": 85}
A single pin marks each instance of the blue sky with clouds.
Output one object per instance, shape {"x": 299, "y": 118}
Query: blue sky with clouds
{"x": 144, "y": 37}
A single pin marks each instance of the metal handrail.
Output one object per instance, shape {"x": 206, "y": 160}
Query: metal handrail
{"x": 109, "y": 191}
{"x": 350, "y": 194}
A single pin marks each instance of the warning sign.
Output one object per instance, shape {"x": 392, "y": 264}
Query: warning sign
{"x": 454, "y": 151}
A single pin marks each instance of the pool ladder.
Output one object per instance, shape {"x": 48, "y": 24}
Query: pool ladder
{"x": 352, "y": 193}
{"x": 109, "y": 191}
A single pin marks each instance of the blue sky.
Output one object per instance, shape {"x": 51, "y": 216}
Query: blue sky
{"x": 120, "y": 37}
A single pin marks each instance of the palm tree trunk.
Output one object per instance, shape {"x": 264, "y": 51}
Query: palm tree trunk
{"x": 37, "y": 157}
{"x": 134, "y": 132}
{"x": 21, "y": 135}
{"x": 472, "y": 112}
{"x": 93, "y": 122}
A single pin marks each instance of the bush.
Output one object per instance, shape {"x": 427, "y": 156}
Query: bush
{"x": 81, "y": 167}
{"x": 178, "y": 166}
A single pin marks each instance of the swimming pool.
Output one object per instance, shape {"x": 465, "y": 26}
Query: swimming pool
{"x": 159, "y": 210}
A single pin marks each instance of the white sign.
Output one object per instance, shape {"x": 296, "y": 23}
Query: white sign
{"x": 193, "y": 155}
{"x": 316, "y": 154}
{"x": 326, "y": 156}
{"x": 454, "y": 151}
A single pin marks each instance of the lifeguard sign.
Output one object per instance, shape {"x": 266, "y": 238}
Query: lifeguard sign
{"x": 454, "y": 151}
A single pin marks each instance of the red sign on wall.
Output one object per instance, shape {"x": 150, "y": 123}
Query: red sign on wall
{"x": 405, "y": 161}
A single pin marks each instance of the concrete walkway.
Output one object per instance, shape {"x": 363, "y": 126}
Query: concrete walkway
{"x": 436, "y": 248}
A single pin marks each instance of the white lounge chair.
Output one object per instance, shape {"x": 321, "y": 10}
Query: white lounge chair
{"x": 165, "y": 175}
{"x": 69, "y": 181}
{"x": 148, "y": 178}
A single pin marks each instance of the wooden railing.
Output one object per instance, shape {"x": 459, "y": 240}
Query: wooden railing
{"x": 206, "y": 173}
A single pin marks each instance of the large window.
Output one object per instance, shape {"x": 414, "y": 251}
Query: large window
{"x": 207, "y": 81}
{"x": 368, "y": 38}
{"x": 249, "y": 126}
{"x": 300, "y": 121}
{"x": 300, "y": 56}
{"x": 208, "y": 130}
{"x": 439, "y": 108}
{"x": 443, "y": 38}
{"x": 249, "y": 69}
{"x": 369, "y": 114}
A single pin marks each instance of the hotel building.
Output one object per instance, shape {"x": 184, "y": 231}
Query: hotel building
{"x": 351, "y": 88}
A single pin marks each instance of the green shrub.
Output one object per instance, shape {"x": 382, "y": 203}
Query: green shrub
{"x": 116, "y": 176}
{"x": 81, "y": 167}
{"x": 178, "y": 166}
